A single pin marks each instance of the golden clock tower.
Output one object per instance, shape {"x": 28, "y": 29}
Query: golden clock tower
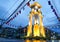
{"x": 36, "y": 15}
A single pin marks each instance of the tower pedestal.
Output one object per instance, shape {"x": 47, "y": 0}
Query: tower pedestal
{"x": 36, "y": 30}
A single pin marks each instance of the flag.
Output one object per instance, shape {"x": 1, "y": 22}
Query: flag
{"x": 20, "y": 12}
{"x": 28, "y": 4}
{"x": 51, "y": 7}
{"x": 53, "y": 10}
{"x": 17, "y": 13}
{"x": 33, "y": 0}
{"x": 49, "y": 2}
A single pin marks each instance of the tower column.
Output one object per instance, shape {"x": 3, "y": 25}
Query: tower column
{"x": 29, "y": 28}
{"x": 42, "y": 30}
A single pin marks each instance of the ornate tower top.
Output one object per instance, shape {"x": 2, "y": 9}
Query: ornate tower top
{"x": 35, "y": 4}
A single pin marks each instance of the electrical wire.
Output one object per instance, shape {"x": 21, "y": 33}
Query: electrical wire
{"x": 10, "y": 8}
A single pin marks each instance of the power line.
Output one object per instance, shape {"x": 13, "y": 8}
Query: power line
{"x": 18, "y": 8}
{"x": 10, "y": 7}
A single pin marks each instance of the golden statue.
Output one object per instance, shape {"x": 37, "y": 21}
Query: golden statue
{"x": 36, "y": 15}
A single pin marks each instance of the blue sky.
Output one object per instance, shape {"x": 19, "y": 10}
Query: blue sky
{"x": 8, "y": 6}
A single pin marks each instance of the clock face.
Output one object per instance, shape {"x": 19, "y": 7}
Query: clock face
{"x": 36, "y": 16}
